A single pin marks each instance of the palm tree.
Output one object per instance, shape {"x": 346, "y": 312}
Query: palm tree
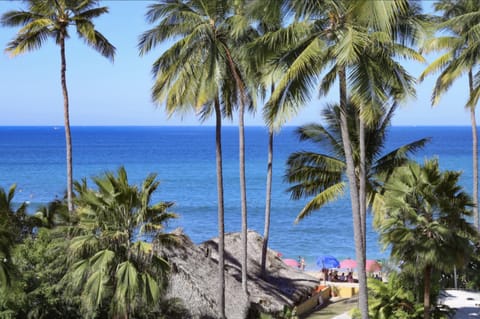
{"x": 391, "y": 299}
{"x": 16, "y": 219}
{"x": 53, "y": 215}
{"x": 461, "y": 57}
{"x": 358, "y": 41}
{"x": 322, "y": 175}
{"x": 268, "y": 16}
{"x": 11, "y": 226}
{"x": 51, "y": 18}
{"x": 111, "y": 263}
{"x": 425, "y": 224}
{"x": 6, "y": 266}
{"x": 236, "y": 49}
{"x": 194, "y": 74}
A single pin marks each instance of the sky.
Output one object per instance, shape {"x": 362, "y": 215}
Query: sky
{"x": 105, "y": 93}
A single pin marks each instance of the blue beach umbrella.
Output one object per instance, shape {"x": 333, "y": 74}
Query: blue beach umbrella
{"x": 327, "y": 262}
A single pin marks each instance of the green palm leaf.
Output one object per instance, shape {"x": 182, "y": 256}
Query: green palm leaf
{"x": 328, "y": 195}
{"x": 109, "y": 261}
{"x": 127, "y": 288}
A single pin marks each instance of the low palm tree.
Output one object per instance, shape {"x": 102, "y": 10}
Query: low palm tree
{"x": 391, "y": 300}
{"x": 15, "y": 217}
{"x": 111, "y": 262}
{"x": 425, "y": 221}
{"x": 53, "y": 215}
{"x": 51, "y": 19}
{"x": 6, "y": 266}
{"x": 15, "y": 225}
{"x": 321, "y": 176}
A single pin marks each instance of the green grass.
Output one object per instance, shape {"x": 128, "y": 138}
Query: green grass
{"x": 334, "y": 309}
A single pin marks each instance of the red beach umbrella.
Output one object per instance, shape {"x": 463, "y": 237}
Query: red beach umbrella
{"x": 291, "y": 262}
{"x": 348, "y": 264}
{"x": 373, "y": 266}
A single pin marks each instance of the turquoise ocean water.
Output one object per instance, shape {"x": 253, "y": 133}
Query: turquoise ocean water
{"x": 184, "y": 159}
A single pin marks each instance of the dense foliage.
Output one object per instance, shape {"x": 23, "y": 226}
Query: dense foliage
{"x": 96, "y": 258}
{"x": 97, "y": 263}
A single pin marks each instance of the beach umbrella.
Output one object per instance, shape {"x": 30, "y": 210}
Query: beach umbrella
{"x": 327, "y": 261}
{"x": 348, "y": 264}
{"x": 290, "y": 262}
{"x": 372, "y": 266}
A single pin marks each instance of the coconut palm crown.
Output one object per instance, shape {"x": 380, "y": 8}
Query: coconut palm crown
{"x": 321, "y": 176}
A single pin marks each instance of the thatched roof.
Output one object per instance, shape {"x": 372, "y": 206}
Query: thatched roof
{"x": 194, "y": 278}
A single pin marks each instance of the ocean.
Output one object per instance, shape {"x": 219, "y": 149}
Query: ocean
{"x": 184, "y": 159}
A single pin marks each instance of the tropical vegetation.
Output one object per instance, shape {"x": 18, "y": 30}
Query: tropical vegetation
{"x": 391, "y": 299}
{"x": 92, "y": 254}
{"x": 356, "y": 42}
{"x": 320, "y": 177}
{"x": 111, "y": 264}
{"x": 425, "y": 222}
{"x": 98, "y": 262}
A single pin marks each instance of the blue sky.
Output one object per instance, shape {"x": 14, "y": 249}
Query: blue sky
{"x": 105, "y": 93}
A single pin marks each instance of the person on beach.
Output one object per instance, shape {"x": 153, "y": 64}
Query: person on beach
{"x": 350, "y": 277}
{"x": 299, "y": 262}
{"x": 302, "y": 263}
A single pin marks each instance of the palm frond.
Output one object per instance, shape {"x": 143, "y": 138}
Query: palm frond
{"x": 437, "y": 65}
{"x": 326, "y": 196}
{"x": 17, "y": 18}
{"x": 95, "y": 291}
{"x": 87, "y": 14}
{"x": 294, "y": 88}
{"x": 127, "y": 288}
{"x": 30, "y": 38}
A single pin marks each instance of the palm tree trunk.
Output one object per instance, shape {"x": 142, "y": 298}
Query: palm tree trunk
{"x": 241, "y": 155}
{"x": 221, "y": 215}
{"x": 268, "y": 200}
{"x": 426, "y": 292}
{"x": 475, "y": 155}
{"x": 354, "y": 197}
{"x": 66, "y": 117}
{"x": 362, "y": 183}
{"x": 243, "y": 193}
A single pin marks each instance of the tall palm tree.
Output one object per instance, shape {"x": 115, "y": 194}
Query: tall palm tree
{"x": 358, "y": 41}
{"x": 425, "y": 221}
{"x": 269, "y": 17}
{"x": 461, "y": 57}
{"x": 52, "y": 18}
{"x": 194, "y": 74}
{"x": 321, "y": 175}
{"x": 240, "y": 35}
{"x": 111, "y": 263}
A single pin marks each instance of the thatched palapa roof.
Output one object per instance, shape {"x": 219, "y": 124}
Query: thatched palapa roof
{"x": 194, "y": 278}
